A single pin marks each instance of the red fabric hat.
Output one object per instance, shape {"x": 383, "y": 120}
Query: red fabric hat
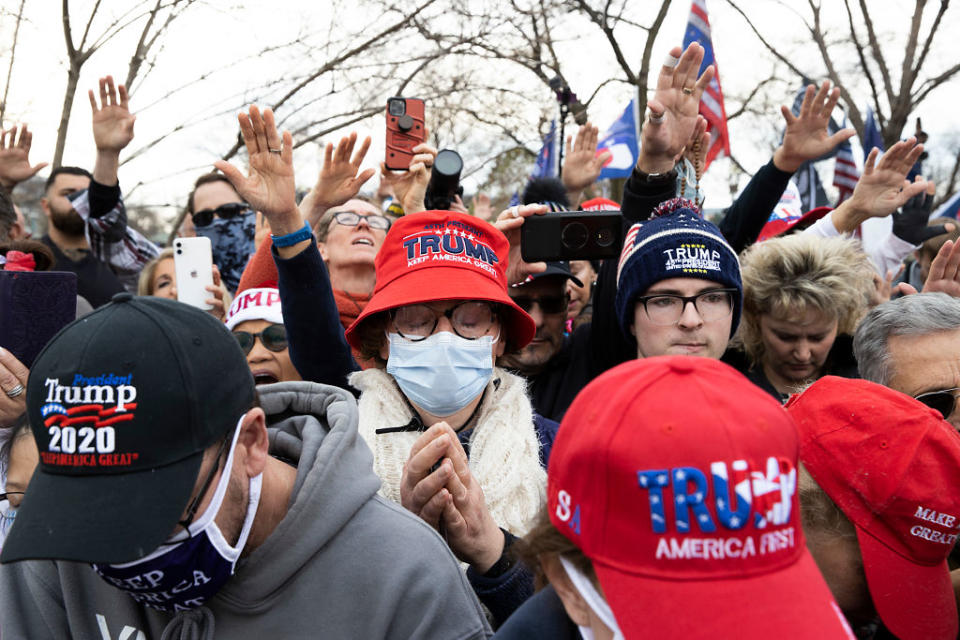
{"x": 677, "y": 477}
{"x": 780, "y": 226}
{"x": 443, "y": 255}
{"x": 891, "y": 465}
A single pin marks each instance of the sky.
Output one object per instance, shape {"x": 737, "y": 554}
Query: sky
{"x": 219, "y": 37}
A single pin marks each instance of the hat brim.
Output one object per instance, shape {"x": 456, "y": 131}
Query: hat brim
{"x": 106, "y": 518}
{"x": 445, "y": 283}
{"x": 792, "y": 602}
{"x": 914, "y": 601}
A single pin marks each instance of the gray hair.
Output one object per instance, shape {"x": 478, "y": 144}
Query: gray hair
{"x": 913, "y": 315}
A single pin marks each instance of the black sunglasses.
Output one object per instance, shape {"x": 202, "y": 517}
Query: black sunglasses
{"x": 941, "y": 401}
{"x": 547, "y": 304}
{"x": 274, "y": 338}
{"x": 226, "y": 211}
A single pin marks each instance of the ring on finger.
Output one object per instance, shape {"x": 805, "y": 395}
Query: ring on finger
{"x": 657, "y": 119}
{"x": 16, "y": 391}
{"x": 275, "y": 150}
{"x": 687, "y": 90}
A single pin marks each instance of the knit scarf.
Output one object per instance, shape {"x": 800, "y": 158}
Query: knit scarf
{"x": 504, "y": 447}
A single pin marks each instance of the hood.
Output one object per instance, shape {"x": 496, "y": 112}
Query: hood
{"x": 313, "y": 426}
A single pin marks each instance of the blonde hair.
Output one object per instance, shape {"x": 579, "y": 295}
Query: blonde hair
{"x": 145, "y": 283}
{"x": 794, "y": 274}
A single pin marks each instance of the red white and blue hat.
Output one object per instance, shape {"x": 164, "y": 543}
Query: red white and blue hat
{"x": 677, "y": 478}
{"x": 444, "y": 255}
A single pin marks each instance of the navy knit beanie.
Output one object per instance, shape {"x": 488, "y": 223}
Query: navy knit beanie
{"x": 677, "y": 243}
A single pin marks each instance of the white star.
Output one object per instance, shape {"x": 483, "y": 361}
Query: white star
{"x": 446, "y": 232}
{"x": 643, "y": 481}
{"x": 654, "y": 499}
{"x": 662, "y": 479}
{"x": 682, "y": 525}
{"x": 721, "y": 503}
{"x": 681, "y": 499}
{"x": 699, "y": 496}
{"x": 470, "y": 236}
{"x": 704, "y": 517}
{"x": 734, "y": 521}
{"x": 679, "y": 474}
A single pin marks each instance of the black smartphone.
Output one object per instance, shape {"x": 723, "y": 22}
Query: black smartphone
{"x": 571, "y": 235}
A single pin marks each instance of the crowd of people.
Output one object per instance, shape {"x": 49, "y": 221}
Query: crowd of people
{"x": 384, "y": 423}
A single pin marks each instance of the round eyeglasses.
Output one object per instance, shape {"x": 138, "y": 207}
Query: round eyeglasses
{"x": 470, "y": 320}
{"x": 273, "y": 337}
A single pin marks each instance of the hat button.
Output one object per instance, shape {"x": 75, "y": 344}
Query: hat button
{"x": 123, "y": 296}
{"x": 682, "y": 364}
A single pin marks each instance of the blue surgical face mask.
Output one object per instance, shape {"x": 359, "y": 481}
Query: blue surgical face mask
{"x": 442, "y": 373}
{"x": 232, "y": 242}
{"x": 189, "y": 569}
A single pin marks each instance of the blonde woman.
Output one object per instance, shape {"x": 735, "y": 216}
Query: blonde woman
{"x": 802, "y": 299}
{"x": 159, "y": 279}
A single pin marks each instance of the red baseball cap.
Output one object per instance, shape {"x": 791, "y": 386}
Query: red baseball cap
{"x": 780, "y": 226}
{"x": 891, "y": 465}
{"x": 444, "y": 255}
{"x": 676, "y": 477}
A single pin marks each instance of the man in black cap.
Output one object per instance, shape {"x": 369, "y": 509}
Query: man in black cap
{"x": 556, "y": 366}
{"x": 158, "y": 472}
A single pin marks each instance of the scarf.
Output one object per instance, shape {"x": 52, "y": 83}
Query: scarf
{"x": 504, "y": 447}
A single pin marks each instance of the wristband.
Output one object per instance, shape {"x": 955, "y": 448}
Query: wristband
{"x": 292, "y": 238}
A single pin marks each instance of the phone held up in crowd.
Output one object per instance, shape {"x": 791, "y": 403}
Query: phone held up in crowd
{"x": 572, "y": 235}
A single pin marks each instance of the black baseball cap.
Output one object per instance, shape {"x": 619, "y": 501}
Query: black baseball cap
{"x": 557, "y": 268}
{"x": 122, "y": 403}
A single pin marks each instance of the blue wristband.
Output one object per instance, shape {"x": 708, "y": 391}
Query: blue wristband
{"x": 292, "y": 238}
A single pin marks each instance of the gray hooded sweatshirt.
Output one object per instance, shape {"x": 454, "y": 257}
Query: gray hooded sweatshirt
{"x": 343, "y": 562}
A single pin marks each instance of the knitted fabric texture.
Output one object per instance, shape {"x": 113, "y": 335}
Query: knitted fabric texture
{"x": 504, "y": 448}
{"x": 679, "y": 244}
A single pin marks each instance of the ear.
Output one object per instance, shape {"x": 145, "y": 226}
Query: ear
{"x": 322, "y": 247}
{"x": 45, "y": 205}
{"x": 633, "y": 329}
{"x": 576, "y": 607}
{"x": 253, "y": 442}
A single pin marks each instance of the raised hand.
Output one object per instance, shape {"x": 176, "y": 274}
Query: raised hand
{"x": 673, "y": 110}
{"x": 581, "y": 164}
{"x": 910, "y": 223}
{"x": 269, "y": 185}
{"x": 15, "y": 157}
{"x": 13, "y": 376}
{"x": 944, "y": 275}
{"x": 411, "y": 185}
{"x": 806, "y": 136}
{"x": 482, "y": 208}
{"x": 112, "y": 120}
{"x": 339, "y": 179}
{"x": 509, "y": 222}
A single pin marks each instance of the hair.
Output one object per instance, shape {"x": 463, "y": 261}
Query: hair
{"x": 541, "y": 190}
{"x": 913, "y": 315}
{"x": 70, "y": 171}
{"x": 545, "y": 540}
{"x": 8, "y": 216}
{"x": 790, "y": 275}
{"x": 145, "y": 282}
{"x": 932, "y": 246}
{"x": 42, "y": 254}
{"x": 323, "y": 225}
{"x": 17, "y": 430}
{"x": 819, "y": 513}
{"x": 207, "y": 178}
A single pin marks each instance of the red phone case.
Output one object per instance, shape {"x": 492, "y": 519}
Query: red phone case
{"x": 400, "y": 142}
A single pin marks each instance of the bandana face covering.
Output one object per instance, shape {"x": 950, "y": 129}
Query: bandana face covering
{"x": 442, "y": 373}
{"x": 189, "y": 569}
{"x": 595, "y": 601}
{"x": 232, "y": 243}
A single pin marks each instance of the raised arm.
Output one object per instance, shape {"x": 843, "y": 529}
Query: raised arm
{"x": 340, "y": 178}
{"x": 112, "y": 129}
{"x": 15, "y": 158}
{"x": 581, "y": 164}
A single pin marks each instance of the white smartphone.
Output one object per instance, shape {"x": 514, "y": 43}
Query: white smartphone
{"x": 193, "y": 262}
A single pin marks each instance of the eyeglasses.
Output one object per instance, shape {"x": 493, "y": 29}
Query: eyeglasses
{"x": 226, "y": 211}
{"x": 273, "y": 337}
{"x": 942, "y": 401}
{"x": 8, "y": 513}
{"x": 470, "y": 320}
{"x": 352, "y": 219}
{"x": 666, "y": 308}
{"x": 195, "y": 503}
{"x": 547, "y": 304}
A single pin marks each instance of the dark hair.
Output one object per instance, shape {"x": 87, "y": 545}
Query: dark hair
{"x": 372, "y": 333}
{"x": 42, "y": 254}
{"x": 207, "y": 178}
{"x": 541, "y": 190}
{"x": 8, "y": 216}
{"x": 19, "y": 429}
{"x": 70, "y": 171}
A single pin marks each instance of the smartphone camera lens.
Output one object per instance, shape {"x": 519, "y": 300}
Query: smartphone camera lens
{"x": 396, "y": 106}
{"x": 605, "y": 237}
{"x": 574, "y": 236}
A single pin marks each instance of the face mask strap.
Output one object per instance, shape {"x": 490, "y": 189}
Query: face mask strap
{"x": 594, "y": 600}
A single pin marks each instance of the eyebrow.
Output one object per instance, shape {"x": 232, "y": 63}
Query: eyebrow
{"x": 677, "y": 292}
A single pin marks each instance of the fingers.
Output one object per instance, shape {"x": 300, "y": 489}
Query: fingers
{"x": 345, "y": 147}
{"x": 103, "y": 93}
{"x": 234, "y": 175}
{"x": 249, "y": 137}
{"x": 944, "y": 265}
{"x": 361, "y": 153}
{"x": 903, "y": 289}
{"x": 363, "y": 177}
{"x": 910, "y": 189}
{"x": 216, "y": 274}
{"x": 831, "y": 102}
{"x": 328, "y": 156}
{"x": 841, "y": 136}
{"x": 428, "y": 448}
{"x": 427, "y": 488}
{"x": 93, "y": 101}
{"x": 433, "y": 510}
{"x": 259, "y": 132}
{"x": 270, "y": 131}
{"x": 689, "y": 65}
{"x": 124, "y": 98}
{"x": 287, "y": 150}
{"x": 870, "y": 162}
{"x": 26, "y": 139}
{"x": 111, "y": 91}
{"x": 12, "y": 367}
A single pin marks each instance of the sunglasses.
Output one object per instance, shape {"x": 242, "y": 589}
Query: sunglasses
{"x": 274, "y": 338}
{"x": 940, "y": 401}
{"x": 204, "y": 217}
{"x": 547, "y": 304}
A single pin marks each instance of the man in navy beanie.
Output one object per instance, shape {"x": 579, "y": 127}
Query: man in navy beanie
{"x": 678, "y": 284}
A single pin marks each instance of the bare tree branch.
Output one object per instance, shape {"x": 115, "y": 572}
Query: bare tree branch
{"x": 13, "y": 50}
{"x": 779, "y": 56}
{"x": 877, "y": 52}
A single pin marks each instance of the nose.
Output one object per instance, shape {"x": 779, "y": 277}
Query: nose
{"x": 690, "y": 318}
{"x": 362, "y": 224}
{"x": 802, "y": 351}
{"x": 173, "y": 291}
{"x": 537, "y": 314}
{"x": 258, "y": 353}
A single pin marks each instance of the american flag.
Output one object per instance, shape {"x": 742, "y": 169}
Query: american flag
{"x": 845, "y": 172}
{"x": 711, "y": 104}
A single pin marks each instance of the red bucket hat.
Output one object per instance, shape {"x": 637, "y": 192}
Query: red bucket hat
{"x": 891, "y": 465}
{"x": 676, "y": 477}
{"x": 443, "y": 255}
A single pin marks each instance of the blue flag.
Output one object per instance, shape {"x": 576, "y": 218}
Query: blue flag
{"x": 546, "y": 164}
{"x": 622, "y": 142}
{"x": 871, "y": 134}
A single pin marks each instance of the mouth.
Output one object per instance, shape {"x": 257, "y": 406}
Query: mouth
{"x": 366, "y": 242}
{"x": 264, "y": 377}
{"x": 690, "y": 347}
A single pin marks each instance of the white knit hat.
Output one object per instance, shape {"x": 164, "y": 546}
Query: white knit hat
{"x": 255, "y": 304}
